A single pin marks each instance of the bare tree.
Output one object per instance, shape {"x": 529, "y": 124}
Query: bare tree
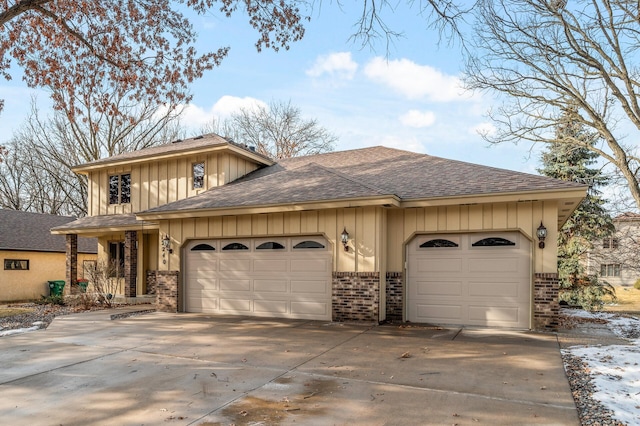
{"x": 552, "y": 58}
{"x": 279, "y": 131}
{"x": 42, "y": 153}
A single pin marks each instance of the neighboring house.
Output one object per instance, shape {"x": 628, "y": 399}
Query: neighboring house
{"x": 32, "y": 256}
{"x": 617, "y": 259}
{"x": 212, "y": 226}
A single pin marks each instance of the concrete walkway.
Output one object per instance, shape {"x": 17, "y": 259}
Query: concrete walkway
{"x": 190, "y": 369}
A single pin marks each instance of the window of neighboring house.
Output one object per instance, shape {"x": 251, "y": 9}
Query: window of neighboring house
{"x": 120, "y": 189}
{"x": 610, "y": 269}
{"x": 610, "y": 243}
{"x": 198, "y": 175}
{"x": 16, "y": 265}
{"x": 116, "y": 259}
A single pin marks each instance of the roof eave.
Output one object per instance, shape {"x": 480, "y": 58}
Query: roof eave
{"x": 255, "y": 157}
{"x": 385, "y": 201}
{"x": 97, "y": 229}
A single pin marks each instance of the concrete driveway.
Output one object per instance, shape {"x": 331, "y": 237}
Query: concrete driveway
{"x": 190, "y": 369}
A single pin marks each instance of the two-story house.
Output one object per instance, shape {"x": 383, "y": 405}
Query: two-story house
{"x": 370, "y": 234}
{"x": 616, "y": 259}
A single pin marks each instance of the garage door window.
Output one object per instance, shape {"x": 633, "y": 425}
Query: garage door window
{"x": 493, "y": 242}
{"x": 235, "y": 246}
{"x": 309, "y": 244}
{"x": 203, "y": 247}
{"x": 270, "y": 245}
{"x": 438, "y": 243}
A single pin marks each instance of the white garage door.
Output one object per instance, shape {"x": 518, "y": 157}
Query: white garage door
{"x": 470, "y": 279}
{"x": 280, "y": 277}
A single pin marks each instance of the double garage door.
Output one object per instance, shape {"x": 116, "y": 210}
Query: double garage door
{"x": 283, "y": 277}
{"x": 470, "y": 279}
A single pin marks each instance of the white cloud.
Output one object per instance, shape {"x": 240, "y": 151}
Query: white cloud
{"x": 405, "y": 143}
{"x": 418, "y": 119}
{"x": 339, "y": 66}
{"x": 415, "y": 81}
{"x": 194, "y": 116}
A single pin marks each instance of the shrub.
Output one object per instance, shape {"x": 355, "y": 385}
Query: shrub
{"x": 51, "y": 300}
{"x": 637, "y": 284}
{"x": 587, "y": 291}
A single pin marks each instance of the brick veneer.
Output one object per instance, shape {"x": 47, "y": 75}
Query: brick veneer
{"x": 151, "y": 282}
{"x": 72, "y": 263}
{"x": 545, "y": 301}
{"x": 395, "y": 296}
{"x": 167, "y": 291}
{"x": 130, "y": 263}
{"x": 356, "y": 296}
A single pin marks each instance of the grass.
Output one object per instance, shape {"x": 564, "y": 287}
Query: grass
{"x": 628, "y": 300}
{"x": 6, "y": 311}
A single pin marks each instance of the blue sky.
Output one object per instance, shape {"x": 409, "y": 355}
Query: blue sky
{"x": 408, "y": 97}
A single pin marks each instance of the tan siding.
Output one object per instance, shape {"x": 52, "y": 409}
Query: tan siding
{"x": 244, "y": 225}
{"x": 215, "y": 226}
{"x": 259, "y": 224}
{"x": 163, "y": 187}
{"x": 275, "y": 223}
{"x": 499, "y": 218}
{"x": 292, "y": 223}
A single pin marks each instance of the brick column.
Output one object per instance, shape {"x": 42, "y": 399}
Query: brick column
{"x": 545, "y": 302}
{"x": 395, "y": 296}
{"x": 151, "y": 282}
{"x": 167, "y": 291}
{"x": 130, "y": 263}
{"x": 72, "y": 263}
{"x": 356, "y": 296}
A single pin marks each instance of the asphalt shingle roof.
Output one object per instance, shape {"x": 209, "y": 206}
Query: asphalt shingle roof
{"x": 104, "y": 221}
{"x": 31, "y": 232}
{"x": 204, "y": 141}
{"x": 368, "y": 172}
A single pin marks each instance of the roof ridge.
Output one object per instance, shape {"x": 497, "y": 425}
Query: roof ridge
{"x": 349, "y": 178}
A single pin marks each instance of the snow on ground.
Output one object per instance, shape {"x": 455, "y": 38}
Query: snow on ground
{"x": 615, "y": 369}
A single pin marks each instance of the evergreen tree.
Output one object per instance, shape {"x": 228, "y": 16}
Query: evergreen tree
{"x": 589, "y": 222}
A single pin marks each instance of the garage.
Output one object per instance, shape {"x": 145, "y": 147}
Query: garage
{"x": 470, "y": 279}
{"x": 265, "y": 277}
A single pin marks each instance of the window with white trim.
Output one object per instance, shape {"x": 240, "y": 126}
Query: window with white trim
{"x": 610, "y": 269}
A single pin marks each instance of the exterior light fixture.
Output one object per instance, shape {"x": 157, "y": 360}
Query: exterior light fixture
{"x": 345, "y": 239}
{"x": 541, "y": 233}
{"x": 166, "y": 244}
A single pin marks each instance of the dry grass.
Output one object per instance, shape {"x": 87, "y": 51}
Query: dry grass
{"x": 628, "y": 300}
{"x": 8, "y": 311}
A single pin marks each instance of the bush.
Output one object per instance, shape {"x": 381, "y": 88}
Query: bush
{"x": 637, "y": 284}
{"x": 587, "y": 291}
{"x": 51, "y": 300}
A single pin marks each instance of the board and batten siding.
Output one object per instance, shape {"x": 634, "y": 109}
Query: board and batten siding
{"x": 377, "y": 235}
{"x": 525, "y": 217}
{"x": 156, "y": 183}
{"x": 365, "y": 226}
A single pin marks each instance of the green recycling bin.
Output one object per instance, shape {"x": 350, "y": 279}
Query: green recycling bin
{"x": 83, "y": 283}
{"x": 56, "y": 287}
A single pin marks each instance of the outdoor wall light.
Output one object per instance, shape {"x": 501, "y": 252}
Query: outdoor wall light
{"x": 166, "y": 244}
{"x": 345, "y": 239}
{"x": 541, "y": 234}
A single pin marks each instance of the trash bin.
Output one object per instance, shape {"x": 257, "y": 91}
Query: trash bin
{"x": 83, "y": 283}
{"x": 56, "y": 287}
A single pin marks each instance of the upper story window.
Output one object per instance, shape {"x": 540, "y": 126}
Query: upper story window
{"x": 610, "y": 243}
{"x": 120, "y": 189}
{"x": 198, "y": 175}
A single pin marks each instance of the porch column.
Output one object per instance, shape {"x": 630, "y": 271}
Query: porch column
{"x": 72, "y": 263}
{"x": 130, "y": 263}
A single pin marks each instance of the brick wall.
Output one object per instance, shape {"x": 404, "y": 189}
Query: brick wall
{"x": 356, "y": 296}
{"x": 167, "y": 291}
{"x": 395, "y": 296}
{"x": 130, "y": 263}
{"x": 545, "y": 302}
{"x": 151, "y": 282}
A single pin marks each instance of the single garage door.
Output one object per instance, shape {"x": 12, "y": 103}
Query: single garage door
{"x": 280, "y": 277}
{"x": 470, "y": 279}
